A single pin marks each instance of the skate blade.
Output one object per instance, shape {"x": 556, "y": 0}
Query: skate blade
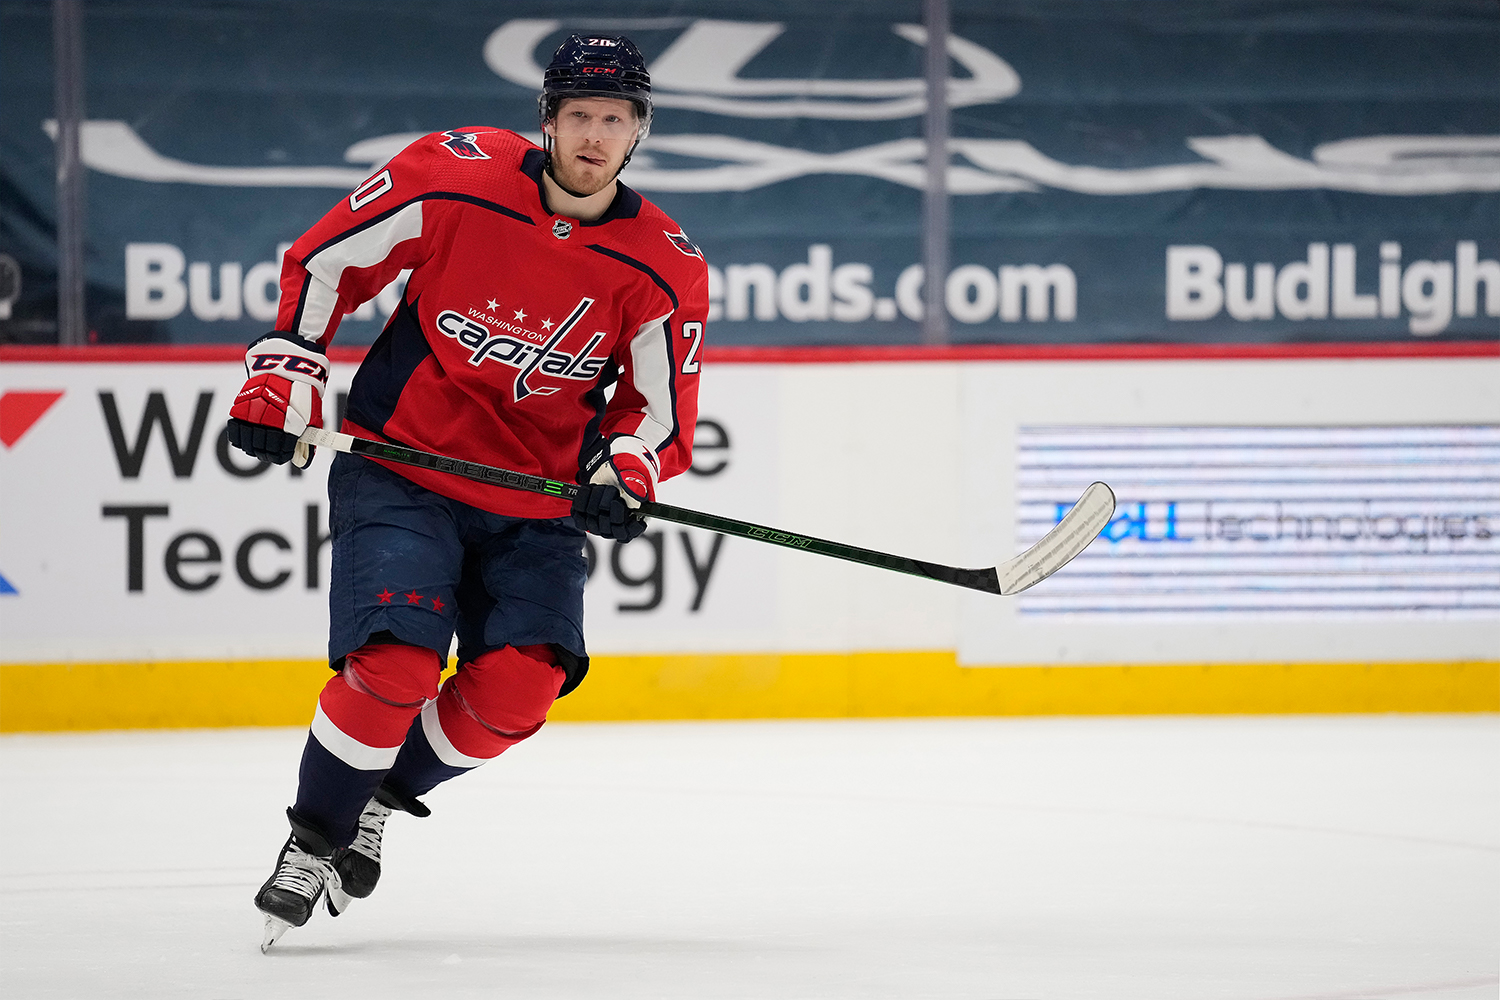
{"x": 275, "y": 927}
{"x": 338, "y": 900}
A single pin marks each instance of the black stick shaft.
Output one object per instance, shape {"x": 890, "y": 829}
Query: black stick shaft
{"x": 974, "y": 579}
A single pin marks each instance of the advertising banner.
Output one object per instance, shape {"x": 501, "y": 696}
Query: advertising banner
{"x": 1342, "y": 511}
{"x": 1255, "y": 171}
{"x": 131, "y": 530}
{"x": 1268, "y": 511}
{"x": 1273, "y": 522}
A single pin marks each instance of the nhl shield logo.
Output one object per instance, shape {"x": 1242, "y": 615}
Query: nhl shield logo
{"x": 562, "y": 229}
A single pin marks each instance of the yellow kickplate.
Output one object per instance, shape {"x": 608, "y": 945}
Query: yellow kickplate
{"x": 869, "y": 685}
{"x": 61, "y": 696}
{"x": 172, "y": 694}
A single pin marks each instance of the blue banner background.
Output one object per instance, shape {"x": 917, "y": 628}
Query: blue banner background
{"x": 1073, "y": 124}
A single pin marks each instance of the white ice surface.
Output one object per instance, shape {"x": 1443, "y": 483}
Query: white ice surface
{"x": 1265, "y": 858}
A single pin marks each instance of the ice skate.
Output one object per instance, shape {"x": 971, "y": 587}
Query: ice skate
{"x": 303, "y": 870}
{"x": 358, "y": 865}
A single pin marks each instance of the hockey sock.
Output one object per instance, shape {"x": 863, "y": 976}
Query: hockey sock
{"x": 362, "y": 716}
{"x": 491, "y": 704}
{"x": 418, "y": 768}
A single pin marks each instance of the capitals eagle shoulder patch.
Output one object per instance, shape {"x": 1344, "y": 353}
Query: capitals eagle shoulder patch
{"x": 681, "y": 242}
{"x": 464, "y": 146}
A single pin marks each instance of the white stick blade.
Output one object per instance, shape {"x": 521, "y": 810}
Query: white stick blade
{"x": 1070, "y": 536}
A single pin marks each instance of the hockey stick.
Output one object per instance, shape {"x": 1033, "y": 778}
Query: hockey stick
{"x": 1067, "y": 538}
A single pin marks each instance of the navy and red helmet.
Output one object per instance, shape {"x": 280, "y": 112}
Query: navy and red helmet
{"x": 597, "y": 66}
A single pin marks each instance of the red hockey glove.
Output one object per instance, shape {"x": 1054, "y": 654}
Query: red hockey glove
{"x": 282, "y": 397}
{"x": 619, "y": 477}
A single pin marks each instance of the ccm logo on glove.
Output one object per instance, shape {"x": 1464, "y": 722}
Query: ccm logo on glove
{"x": 281, "y": 398}
{"x": 295, "y": 363}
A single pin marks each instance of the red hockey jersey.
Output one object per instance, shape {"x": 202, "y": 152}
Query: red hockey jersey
{"x": 515, "y": 322}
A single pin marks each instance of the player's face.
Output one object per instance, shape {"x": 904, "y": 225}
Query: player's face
{"x": 590, "y": 137}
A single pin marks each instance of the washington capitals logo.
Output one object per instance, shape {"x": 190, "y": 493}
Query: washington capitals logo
{"x": 462, "y": 145}
{"x": 680, "y": 241}
{"x": 525, "y": 356}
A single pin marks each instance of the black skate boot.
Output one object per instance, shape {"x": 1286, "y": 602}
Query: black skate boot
{"x": 358, "y": 865}
{"x": 303, "y": 870}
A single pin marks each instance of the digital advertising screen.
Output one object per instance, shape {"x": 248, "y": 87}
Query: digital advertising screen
{"x": 1269, "y": 522}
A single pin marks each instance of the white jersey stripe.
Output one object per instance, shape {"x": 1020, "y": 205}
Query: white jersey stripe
{"x": 362, "y": 248}
{"x": 318, "y": 309}
{"x": 348, "y": 749}
{"x": 432, "y": 728}
{"x": 651, "y": 361}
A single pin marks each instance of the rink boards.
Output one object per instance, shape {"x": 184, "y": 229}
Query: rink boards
{"x": 1294, "y": 534}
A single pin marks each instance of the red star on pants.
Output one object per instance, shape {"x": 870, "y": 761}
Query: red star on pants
{"x": 413, "y": 598}
{"x": 437, "y": 604}
{"x": 385, "y": 596}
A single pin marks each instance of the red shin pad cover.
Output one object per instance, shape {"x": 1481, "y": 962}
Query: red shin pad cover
{"x": 499, "y": 699}
{"x": 379, "y": 692}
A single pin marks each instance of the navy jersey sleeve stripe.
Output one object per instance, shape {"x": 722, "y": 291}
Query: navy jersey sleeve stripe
{"x": 654, "y": 377}
{"x": 375, "y": 220}
{"x": 597, "y": 400}
{"x": 382, "y": 377}
{"x": 667, "y": 339}
{"x": 639, "y": 266}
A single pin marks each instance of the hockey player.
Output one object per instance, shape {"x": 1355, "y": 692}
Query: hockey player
{"x": 538, "y": 281}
